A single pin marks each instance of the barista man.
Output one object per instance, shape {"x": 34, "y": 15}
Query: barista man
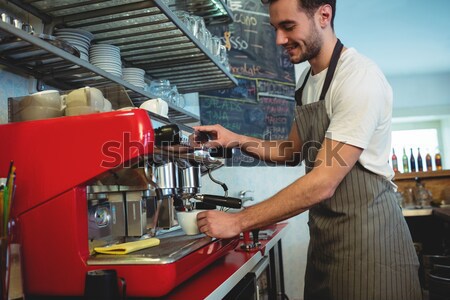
{"x": 360, "y": 246}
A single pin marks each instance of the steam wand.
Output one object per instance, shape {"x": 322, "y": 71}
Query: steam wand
{"x": 224, "y": 186}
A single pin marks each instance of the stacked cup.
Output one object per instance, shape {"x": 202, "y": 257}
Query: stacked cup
{"x": 84, "y": 101}
{"x": 41, "y": 105}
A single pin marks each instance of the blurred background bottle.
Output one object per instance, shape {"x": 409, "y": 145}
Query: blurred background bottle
{"x": 419, "y": 161}
{"x": 412, "y": 161}
{"x": 394, "y": 161}
{"x": 429, "y": 163}
{"x": 437, "y": 160}
{"x": 405, "y": 162}
{"x": 422, "y": 196}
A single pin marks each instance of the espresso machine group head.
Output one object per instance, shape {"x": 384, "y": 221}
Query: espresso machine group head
{"x": 182, "y": 173}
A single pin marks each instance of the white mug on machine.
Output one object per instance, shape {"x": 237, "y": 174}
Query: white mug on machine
{"x": 40, "y": 105}
{"x": 157, "y": 106}
{"x": 86, "y": 100}
{"x": 86, "y": 96}
{"x": 48, "y": 98}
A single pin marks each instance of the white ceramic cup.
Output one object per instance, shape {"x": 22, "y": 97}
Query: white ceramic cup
{"x": 188, "y": 221}
{"x": 39, "y": 113}
{"x": 107, "y": 106}
{"x": 157, "y": 106}
{"x": 49, "y": 98}
{"x": 86, "y": 96}
{"x": 80, "y": 110}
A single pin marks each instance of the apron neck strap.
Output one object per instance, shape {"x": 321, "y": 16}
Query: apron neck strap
{"x": 329, "y": 76}
{"x": 331, "y": 68}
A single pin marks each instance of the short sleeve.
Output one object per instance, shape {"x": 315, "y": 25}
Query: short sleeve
{"x": 358, "y": 103}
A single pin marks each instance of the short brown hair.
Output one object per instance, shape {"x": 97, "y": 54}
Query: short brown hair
{"x": 310, "y": 6}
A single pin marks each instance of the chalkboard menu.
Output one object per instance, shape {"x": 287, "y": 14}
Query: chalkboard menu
{"x": 262, "y": 104}
{"x": 262, "y": 115}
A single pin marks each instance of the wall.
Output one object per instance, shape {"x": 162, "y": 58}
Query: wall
{"x": 420, "y": 91}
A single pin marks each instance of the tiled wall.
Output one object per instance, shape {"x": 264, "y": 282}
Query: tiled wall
{"x": 11, "y": 85}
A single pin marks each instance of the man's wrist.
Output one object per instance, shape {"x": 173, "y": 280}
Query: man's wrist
{"x": 237, "y": 141}
{"x": 242, "y": 220}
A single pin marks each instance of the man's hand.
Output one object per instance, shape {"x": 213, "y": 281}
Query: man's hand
{"x": 219, "y": 224}
{"x": 219, "y": 136}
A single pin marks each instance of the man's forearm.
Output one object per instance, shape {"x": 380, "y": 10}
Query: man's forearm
{"x": 271, "y": 151}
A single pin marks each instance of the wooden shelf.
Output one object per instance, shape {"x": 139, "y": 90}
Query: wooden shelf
{"x": 437, "y": 182}
{"x": 422, "y": 175}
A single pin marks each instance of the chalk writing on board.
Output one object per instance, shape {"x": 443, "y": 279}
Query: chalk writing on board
{"x": 251, "y": 89}
{"x": 276, "y": 88}
{"x": 270, "y": 118}
{"x": 250, "y": 41}
{"x": 245, "y": 91}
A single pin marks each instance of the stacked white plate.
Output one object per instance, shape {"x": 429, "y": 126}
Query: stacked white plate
{"x": 106, "y": 57}
{"x": 79, "y": 38}
{"x": 134, "y": 76}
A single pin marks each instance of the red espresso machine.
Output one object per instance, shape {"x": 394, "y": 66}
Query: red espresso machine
{"x": 78, "y": 180}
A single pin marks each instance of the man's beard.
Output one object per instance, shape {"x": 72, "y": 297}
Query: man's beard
{"x": 310, "y": 48}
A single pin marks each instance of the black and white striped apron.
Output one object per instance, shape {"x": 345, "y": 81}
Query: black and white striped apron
{"x": 360, "y": 246}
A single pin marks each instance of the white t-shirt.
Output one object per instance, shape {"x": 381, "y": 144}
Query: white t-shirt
{"x": 359, "y": 105}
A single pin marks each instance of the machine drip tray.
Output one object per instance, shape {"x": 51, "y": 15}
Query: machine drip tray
{"x": 173, "y": 246}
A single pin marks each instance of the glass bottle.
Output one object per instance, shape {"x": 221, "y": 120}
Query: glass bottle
{"x": 394, "y": 161}
{"x": 412, "y": 161}
{"x": 419, "y": 161}
{"x": 437, "y": 160}
{"x": 405, "y": 162}
{"x": 422, "y": 196}
{"x": 429, "y": 162}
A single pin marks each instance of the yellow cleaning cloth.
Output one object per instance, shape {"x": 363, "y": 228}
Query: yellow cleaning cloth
{"x": 126, "y": 248}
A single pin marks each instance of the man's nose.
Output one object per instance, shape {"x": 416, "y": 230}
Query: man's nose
{"x": 281, "y": 38}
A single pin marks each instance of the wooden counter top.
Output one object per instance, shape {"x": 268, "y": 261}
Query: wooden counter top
{"x": 417, "y": 212}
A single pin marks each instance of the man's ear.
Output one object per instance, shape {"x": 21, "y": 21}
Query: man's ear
{"x": 325, "y": 14}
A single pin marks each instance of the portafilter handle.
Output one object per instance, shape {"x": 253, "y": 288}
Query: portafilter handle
{"x": 219, "y": 200}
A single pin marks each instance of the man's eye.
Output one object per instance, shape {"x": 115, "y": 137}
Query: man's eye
{"x": 289, "y": 28}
